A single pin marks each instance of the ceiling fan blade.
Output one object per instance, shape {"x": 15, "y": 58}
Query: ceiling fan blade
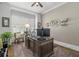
{"x": 33, "y": 4}
{"x": 40, "y": 4}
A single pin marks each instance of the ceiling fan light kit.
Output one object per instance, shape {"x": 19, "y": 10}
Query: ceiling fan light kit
{"x": 37, "y": 4}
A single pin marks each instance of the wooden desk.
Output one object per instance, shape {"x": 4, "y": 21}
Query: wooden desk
{"x": 43, "y": 48}
{"x": 40, "y": 48}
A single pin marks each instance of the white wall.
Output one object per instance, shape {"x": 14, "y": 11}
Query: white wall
{"x": 38, "y": 19}
{"x": 19, "y": 19}
{"x": 68, "y": 34}
{"x": 4, "y": 12}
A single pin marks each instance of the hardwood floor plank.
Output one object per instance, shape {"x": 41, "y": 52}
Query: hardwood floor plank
{"x": 10, "y": 52}
{"x": 21, "y": 51}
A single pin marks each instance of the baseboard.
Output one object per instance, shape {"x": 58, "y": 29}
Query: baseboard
{"x": 67, "y": 45}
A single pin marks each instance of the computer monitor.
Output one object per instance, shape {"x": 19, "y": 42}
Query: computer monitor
{"x": 44, "y": 32}
{"x": 39, "y": 32}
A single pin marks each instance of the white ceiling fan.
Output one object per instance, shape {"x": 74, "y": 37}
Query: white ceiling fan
{"x": 37, "y": 4}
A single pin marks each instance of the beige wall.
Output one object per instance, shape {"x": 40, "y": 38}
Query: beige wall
{"x": 68, "y": 34}
{"x": 4, "y": 12}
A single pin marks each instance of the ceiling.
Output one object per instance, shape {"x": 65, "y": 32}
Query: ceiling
{"x": 27, "y": 5}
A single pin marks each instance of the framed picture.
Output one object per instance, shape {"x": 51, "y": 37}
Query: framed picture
{"x": 5, "y": 22}
{"x": 39, "y": 25}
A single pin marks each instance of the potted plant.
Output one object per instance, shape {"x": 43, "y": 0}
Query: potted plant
{"x": 6, "y": 36}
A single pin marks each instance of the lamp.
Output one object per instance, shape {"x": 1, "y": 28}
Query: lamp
{"x": 27, "y": 25}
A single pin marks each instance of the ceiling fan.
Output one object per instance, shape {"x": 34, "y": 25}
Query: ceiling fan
{"x": 37, "y": 4}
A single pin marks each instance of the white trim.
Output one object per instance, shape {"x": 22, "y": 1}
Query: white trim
{"x": 67, "y": 45}
{"x": 54, "y": 8}
{"x": 21, "y": 10}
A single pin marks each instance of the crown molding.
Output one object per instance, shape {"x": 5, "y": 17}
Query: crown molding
{"x": 53, "y": 8}
{"x": 13, "y": 7}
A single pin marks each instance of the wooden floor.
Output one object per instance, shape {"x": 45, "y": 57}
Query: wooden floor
{"x": 10, "y": 52}
{"x": 21, "y": 51}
